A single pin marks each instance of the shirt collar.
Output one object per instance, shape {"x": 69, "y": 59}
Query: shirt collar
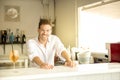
{"x": 49, "y": 39}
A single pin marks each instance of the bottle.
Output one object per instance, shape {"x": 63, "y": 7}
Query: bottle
{"x": 17, "y": 37}
{"x": 11, "y": 38}
{"x": 23, "y": 37}
{"x": 2, "y": 36}
{"x": 8, "y": 34}
{"x": 5, "y": 36}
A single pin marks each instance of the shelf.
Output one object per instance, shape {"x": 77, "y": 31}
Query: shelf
{"x": 13, "y": 43}
{"x": 8, "y": 43}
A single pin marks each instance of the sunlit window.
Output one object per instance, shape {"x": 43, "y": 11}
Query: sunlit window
{"x": 98, "y": 26}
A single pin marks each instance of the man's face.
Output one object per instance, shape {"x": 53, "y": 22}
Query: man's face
{"x": 45, "y": 31}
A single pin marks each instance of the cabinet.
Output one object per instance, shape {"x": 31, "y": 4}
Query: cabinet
{"x": 101, "y": 71}
{"x": 18, "y": 43}
{"x": 22, "y": 59}
{"x": 113, "y": 52}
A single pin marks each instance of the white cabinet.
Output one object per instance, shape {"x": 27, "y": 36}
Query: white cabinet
{"x": 101, "y": 71}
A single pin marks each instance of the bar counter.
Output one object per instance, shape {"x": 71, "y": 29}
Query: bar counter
{"x": 98, "y": 71}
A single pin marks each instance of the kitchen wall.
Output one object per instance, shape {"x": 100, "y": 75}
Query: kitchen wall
{"x": 66, "y": 13}
{"x": 66, "y": 19}
{"x": 30, "y": 13}
{"x": 32, "y": 10}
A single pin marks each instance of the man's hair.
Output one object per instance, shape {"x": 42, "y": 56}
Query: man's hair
{"x": 43, "y": 21}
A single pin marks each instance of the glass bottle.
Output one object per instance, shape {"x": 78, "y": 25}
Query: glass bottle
{"x": 11, "y": 38}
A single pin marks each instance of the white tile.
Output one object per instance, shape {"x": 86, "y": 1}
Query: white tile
{"x": 107, "y": 77}
{"x": 115, "y": 76}
{"x": 95, "y": 77}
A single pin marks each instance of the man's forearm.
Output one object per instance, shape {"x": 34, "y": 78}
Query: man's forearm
{"x": 65, "y": 55}
{"x": 68, "y": 62}
{"x": 37, "y": 61}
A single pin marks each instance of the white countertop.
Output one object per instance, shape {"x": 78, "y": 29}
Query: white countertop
{"x": 59, "y": 71}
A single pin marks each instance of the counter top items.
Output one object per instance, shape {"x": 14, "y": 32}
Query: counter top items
{"x": 16, "y": 37}
{"x": 103, "y": 71}
{"x": 9, "y": 37}
{"x": 83, "y": 55}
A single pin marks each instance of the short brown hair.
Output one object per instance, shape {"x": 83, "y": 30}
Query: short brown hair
{"x": 43, "y": 21}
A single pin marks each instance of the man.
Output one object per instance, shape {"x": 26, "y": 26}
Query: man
{"x": 45, "y": 46}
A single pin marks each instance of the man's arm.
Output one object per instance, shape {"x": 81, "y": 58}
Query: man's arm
{"x": 39, "y": 62}
{"x": 65, "y": 55}
{"x": 68, "y": 62}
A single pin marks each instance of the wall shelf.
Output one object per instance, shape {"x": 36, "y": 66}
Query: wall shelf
{"x": 8, "y": 43}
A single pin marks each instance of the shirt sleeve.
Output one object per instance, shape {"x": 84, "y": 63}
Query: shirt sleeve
{"x": 31, "y": 49}
{"x": 60, "y": 47}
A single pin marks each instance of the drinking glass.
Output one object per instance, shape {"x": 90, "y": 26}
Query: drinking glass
{"x": 14, "y": 56}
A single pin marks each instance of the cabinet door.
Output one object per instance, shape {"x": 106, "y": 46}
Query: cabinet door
{"x": 115, "y": 52}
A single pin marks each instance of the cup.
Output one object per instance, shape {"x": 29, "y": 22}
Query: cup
{"x": 84, "y": 58}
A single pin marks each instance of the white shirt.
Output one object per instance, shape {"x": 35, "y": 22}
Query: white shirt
{"x": 46, "y": 54}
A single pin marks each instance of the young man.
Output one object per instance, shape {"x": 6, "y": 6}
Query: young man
{"x": 45, "y": 46}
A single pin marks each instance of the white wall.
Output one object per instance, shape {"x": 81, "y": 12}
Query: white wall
{"x": 66, "y": 19}
{"x": 30, "y": 13}
{"x": 32, "y": 10}
{"x": 105, "y": 18}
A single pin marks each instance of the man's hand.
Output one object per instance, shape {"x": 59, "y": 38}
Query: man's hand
{"x": 46, "y": 66}
{"x": 70, "y": 63}
{"x": 43, "y": 65}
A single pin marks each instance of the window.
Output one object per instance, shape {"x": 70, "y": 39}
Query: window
{"x": 98, "y": 26}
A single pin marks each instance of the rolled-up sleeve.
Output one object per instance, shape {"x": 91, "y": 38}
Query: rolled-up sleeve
{"x": 31, "y": 48}
{"x": 60, "y": 47}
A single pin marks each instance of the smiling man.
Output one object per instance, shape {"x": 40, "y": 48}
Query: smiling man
{"x": 45, "y": 46}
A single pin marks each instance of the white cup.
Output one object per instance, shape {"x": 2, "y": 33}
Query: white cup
{"x": 84, "y": 58}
